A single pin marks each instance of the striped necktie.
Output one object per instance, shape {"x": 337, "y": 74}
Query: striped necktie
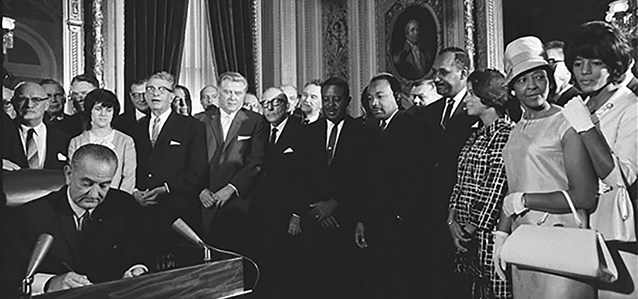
{"x": 32, "y": 150}
{"x": 156, "y": 130}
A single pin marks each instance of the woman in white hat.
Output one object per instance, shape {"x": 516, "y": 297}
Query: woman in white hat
{"x": 545, "y": 161}
{"x": 606, "y": 118}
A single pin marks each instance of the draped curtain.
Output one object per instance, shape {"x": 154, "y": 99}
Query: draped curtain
{"x": 154, "y": 39}
{"x": 198, "y": 66}
{"x": 231, "y": 29}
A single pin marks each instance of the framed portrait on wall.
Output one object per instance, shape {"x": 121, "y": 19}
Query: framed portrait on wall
{"x": 413, "y": 37}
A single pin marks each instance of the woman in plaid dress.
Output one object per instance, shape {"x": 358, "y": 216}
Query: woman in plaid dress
{"x": 478, "y": 193}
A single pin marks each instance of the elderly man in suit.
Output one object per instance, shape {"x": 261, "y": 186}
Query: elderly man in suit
{"x": 171, "y": 162}
{"x": 236, "y": 140}
{"x": 394, "y": 221}
{"x": 91, "y": 224}
{"x": 126, "y": 122}
{"x": 36, "y": 145}
{"x": 276, "y": 251}
{"x": 334, "y": 151}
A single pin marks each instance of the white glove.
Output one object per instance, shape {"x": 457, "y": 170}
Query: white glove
{"x": 513, "y": 204}
{"x": 499, "y": 264}
{"x": 578, "y": 115}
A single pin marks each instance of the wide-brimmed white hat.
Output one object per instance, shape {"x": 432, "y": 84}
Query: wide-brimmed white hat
{"x": 523, "y": 54}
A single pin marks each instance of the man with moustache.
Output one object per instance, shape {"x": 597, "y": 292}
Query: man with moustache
{"x": 277, "y": 251}
{"x": 126, "y": 122}
{"x": 311, "y": 102}
{"x": 334, "y": 150}
{"x": 451, "y": 127}
{"x": 236, "y": 140}
{"x": 92, "y": 226}
{"x": 171, "y": 163}
{"x": 394, "y": 224}
{"x": 55, "y": 116}
{"x": 31, "y": 143}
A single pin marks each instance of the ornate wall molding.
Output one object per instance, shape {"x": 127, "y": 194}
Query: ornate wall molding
{"x": 73, "y": 36}
{"x": 98, "y": 44}
{"x": 489, "y": 34}
{"x": 257, "y": 34}
{"x": 335, "y": 47}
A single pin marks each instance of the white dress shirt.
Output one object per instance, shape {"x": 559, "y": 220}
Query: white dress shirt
{"x": 163, "y": 117}
{"x": 226, "y": 120}
{"x": 329, "y": 129}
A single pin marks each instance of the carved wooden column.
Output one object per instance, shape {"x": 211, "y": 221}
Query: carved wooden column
{"x": 489, "y": 34}
{"x": 73, "y": 36}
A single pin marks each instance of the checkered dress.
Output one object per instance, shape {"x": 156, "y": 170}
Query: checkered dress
{"x": 477, "y": 198}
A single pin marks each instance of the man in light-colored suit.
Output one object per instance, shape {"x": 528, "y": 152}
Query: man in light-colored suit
{"x": 236, "y": 140}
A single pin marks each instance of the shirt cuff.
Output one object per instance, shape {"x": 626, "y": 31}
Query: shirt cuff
{"x": 234, "y": 188}
{"x": 167, "y": 189}
{"x": 39, "y": 280}
{"x": 130, "y": 270}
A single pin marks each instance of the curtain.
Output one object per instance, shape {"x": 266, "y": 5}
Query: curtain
{"x": 154, "y": 39}
{"x": 231, "y": 26}
{"x": 198, "y": 67}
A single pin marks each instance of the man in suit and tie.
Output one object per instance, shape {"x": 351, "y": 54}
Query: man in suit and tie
{"x": 91, "y": 224}
{"x": 277, "y": 251}
{"x": 171, "y": 162}
{"x": 55, "y": 116}
{"x": 394, "y": 224}
{"x": 311, "y": 102}
{"x": 36, "y": 145}
{"x": 451, "y": 127}
{"x": 126, "y": 122}
{"x": 236, "y": 140}
{"x": 334, "y": 151}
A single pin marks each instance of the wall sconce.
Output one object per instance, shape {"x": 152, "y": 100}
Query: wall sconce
{"x": 8, "y": 24}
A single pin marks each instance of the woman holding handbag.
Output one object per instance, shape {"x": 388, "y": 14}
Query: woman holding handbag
{"x": 544, "y": 157}
{"x": 477, "y": 196}
{"x": 605, "y": 117}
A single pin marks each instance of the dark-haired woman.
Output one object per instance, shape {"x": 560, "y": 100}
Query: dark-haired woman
{"x": 606, "y": 118}
{"x": 477, "y": 196}
{"x": 182, "y": 103}
{"x": 101, "y": 105}
{"x": 545, "y": 160}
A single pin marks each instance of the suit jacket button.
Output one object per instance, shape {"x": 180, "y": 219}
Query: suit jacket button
{"x": 150, "y": 175}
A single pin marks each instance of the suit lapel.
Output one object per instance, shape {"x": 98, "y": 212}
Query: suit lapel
{"x": 67, "y": 223}
{"x": 145, "y": 140}
{"x": 234, "y": 127}
{"x": 214, "y": 132}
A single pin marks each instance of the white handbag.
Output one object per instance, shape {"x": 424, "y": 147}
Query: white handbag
{"x": 614, "y": 214}
{"x": 572, "y": 252}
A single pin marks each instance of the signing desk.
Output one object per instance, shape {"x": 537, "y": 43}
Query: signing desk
{"x": 220, "y": 279}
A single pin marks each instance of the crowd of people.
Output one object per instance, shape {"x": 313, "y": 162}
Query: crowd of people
{"x": 402, "y": 202}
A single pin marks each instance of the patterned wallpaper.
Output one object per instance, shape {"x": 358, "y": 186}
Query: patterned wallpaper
{"x": 335, "y": 38}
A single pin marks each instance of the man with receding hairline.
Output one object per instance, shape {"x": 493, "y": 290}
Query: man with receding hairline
{"x": 91, "y": 224}
{"x": 39, "y": 145}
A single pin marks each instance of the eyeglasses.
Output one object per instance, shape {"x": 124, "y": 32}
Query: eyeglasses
{"x": 36, "y": 100}
{"x": 55, "y": 95}
{"x": 276, "y": 102}
{"x": 137, "y": 95}
{"x": 162, "y": 89}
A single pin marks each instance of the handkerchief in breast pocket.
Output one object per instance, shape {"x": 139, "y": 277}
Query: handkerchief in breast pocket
{"x": 240, "y": 138}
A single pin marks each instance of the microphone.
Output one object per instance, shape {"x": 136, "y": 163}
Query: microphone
{"x": 181, "y": 227}
{"x": 40, "y": 250}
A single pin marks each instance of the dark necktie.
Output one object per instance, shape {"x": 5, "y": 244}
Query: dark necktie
{"x": 332, "y": 140}
{"x": 156, "y": 130}
{"x": 32, "y": 150}
{"x": 305, "y": 122}
{"x": 273, "y": 136}
{"x": 447, "y": 114}
{"x": 382, "y": 125}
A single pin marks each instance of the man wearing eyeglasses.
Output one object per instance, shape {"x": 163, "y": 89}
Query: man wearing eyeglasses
{"x": 39, "y": 146}
{"x": 171, "y": 161}
{"x": 236, "y": 140}
{"x": 126, "y": 122}
{"x": 55, "y": 116}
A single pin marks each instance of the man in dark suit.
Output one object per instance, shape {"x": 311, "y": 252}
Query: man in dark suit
{"x": 29, "y": 142}
{"x": 91, "y": 224}
{"x": 236, "y": 140}
{"x": 171, "y": 162}
{"x": 334, "y": 152}
{"x": 277, "y": 251}
{"x": 55, "y": 116}
{"x": 451, "y": 127}
{"x": 393, "y": 222}
{"x": 126, "y": 122}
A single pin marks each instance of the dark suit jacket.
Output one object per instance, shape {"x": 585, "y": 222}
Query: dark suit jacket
{"x": 71, "y": 124}
{"x": 104, "y": 253}
{"x": 57, "y": 143}
{"x": 125, "y": 123}
{"x": 563, "y": 98}
{"x": 272, "y": 202}
{"x": 177, "y": 159}
{"x": 343, "y": 179}
{"x": 237, "y": 161}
